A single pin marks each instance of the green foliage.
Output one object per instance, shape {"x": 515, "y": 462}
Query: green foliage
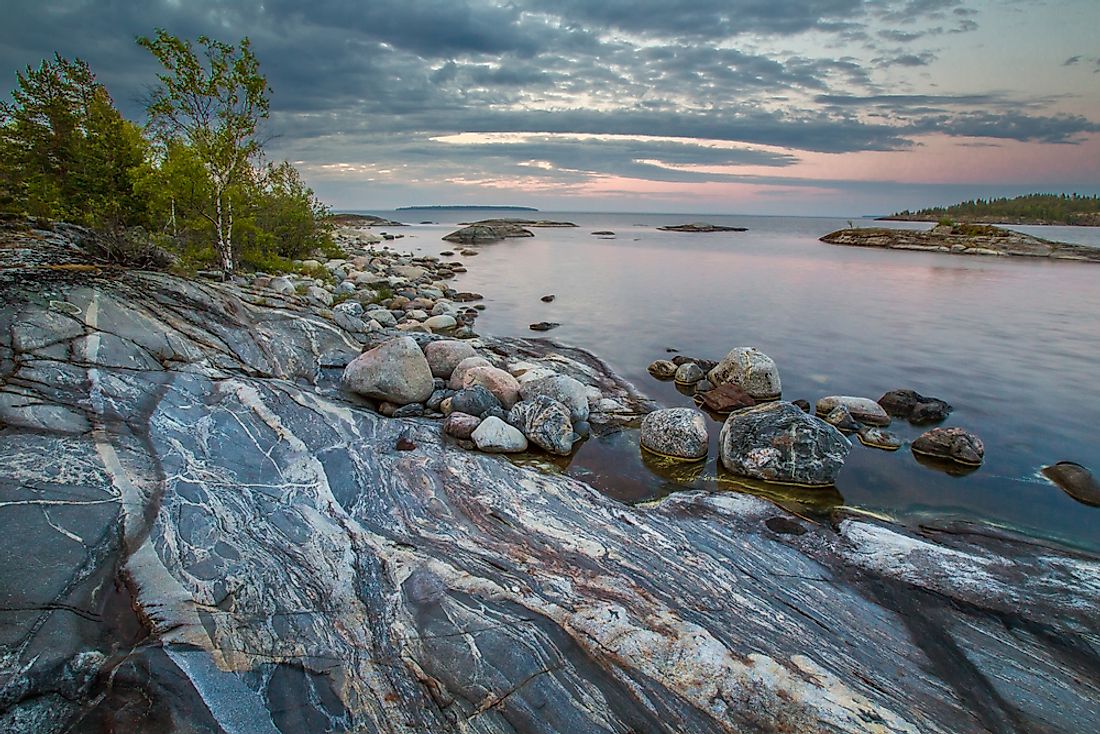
{"x": 214, "y": 104}
{"x": 66, "y": 152}
{"x": 1037, "y": 208}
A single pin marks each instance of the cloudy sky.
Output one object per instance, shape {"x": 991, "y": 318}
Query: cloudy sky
{"x": 841, "y": 107}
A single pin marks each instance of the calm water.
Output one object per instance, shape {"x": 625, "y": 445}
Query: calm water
{"x": 1014, "y": 345}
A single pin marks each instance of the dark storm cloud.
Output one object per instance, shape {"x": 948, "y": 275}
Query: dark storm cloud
{"x": 376, "y": 80}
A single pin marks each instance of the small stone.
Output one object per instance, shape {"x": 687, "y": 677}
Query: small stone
{"x": 1076, "y": 481}
{"x": 662, "y": 369}
{"x": 804, "y": 404}
{"x": 704, "y": 386}
{"x": 461, "y": 425}
{"x": 437, "y": 398}
{"x": 914, "y": 407}
{"x": 405, "y": 444}
{"x": 548, "y": 298}
{"x": 412, "y": 410}
{"x": 544, "y": 326}
{"x": 493, "y": 435}
{"x": 282, "y": 285}
{"x": 446, "y": 354}
{"x": 474, "y": 400}
{"x": 863, "y": 410}
{"x": 441, "y": 322}
{"x": 841, "y": 418}
{"x": 953, "y": 444}
{"x": 568, "y": 391}
{"x": 679, "y": 433}
{"x": 688, "y": 374}
{"x": 460, "y": 370}
{"x": 382, "y": 316}
{"x": 497, "y": 381}
{"x": 878, "y": 438}
{"x": 582, "y": 428}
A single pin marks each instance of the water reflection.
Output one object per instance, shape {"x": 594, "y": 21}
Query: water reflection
{"x": 946, "y": 466}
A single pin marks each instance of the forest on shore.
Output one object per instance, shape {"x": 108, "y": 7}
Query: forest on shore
{"x": 190, "y": 185}
{"x": 1068, "y": 209}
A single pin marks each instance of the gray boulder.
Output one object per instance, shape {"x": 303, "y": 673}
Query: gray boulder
{"x": 494, "y": 436}
{"x": 571, "y": 393}
{"x": 878, "y": 438}
{"x": 679, "y": 433}
{"x": 444, "y": 355}
{"x": 395, "y": 371}
{"x": 688, "y": 373}
{"x": 281, "y": 284}
{"x": 442, "y": 322}
{"x": 382, "y": 316}
{"x": 662, "y": 369}
{"x": 545, "y": 422}
{"x": 752, "y": 370}
{"x": 319, "y": 295}
{"x": 777, "y": 442}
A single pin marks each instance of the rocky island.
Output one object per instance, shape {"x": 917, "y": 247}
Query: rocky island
{"x": 211, "y": 525}
{"x": 701, "y": 227}
{"x": 963, "y": 239}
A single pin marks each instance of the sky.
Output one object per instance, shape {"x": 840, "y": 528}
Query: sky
{"x": 791, "y": 107}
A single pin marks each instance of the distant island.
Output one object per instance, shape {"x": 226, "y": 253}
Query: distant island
{"x": 1068, "y": 209}
{"x": 438, "y": 207}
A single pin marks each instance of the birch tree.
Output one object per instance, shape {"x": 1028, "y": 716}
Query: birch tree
{"x": 212, "y": 100}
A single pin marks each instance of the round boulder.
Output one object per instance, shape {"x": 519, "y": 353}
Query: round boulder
{"x": 395, "y": 371}
{"x": 461, "y": 425}
{"x": 461, "y": 368}
{"x": 569, "y": 392}
{"x": 545, "y": 422}
{"x": 1076, "y": 481}
{"x": 751, "y": 369}
{"x": 678, "y": 433}
{"x": 777, "y": 442}
{"x": 878, "y": 438}
{"x": 494, "y": 436}
{"x": 444, "y": 355}
{"x": 497, "y": 381}
{"x": 951, "y": 444}
{"x": 688, "y": 374}
{"x": 914, "y": 407}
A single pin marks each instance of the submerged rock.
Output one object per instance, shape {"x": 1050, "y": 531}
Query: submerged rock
{"x": 544, "y": 325}
{"x": 752, "y": 370}
{"x": 395, "y": 371}
{"x": 863, "y": 410}
{"x": 724, "y": 399}
{"x": 1076, "y": 481}
{"x": 679, "y": 433}
{"x": 701, "y": 227}
{"x": 545, "y": 422}
{"x": 878, "y": 438}
{"x": 840, "y": 417}
{"x": 494, "y": 436}
{"x": 953, "y": 444}
{"x": 777, "y": 442}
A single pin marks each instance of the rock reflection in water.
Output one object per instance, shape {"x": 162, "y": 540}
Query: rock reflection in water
{"x": 814, "y": 501}
{"x": 951, "y": 468}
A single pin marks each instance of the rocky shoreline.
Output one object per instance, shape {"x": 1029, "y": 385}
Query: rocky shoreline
{"x": 205, "y": 529}
{"x": 963, "y": 239}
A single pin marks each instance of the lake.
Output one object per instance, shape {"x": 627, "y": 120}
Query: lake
{"x": 1012, "y": 344}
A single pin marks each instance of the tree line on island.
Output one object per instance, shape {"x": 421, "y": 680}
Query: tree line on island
{"x": 192, "y": 181}
{"x": 1070, "y": 209}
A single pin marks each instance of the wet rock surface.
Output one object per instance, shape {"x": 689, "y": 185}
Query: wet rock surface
{"x": 777, "y": 442}
{"x": 204, "y": 532}
{"x": 863, "y": 410}
{"x": 750, "y": 369}
{"x": 951, "y": 444}
{"x": 914, "y": 407}
{"x": 1076, "y": 481}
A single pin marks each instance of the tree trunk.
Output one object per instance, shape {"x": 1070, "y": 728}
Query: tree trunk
{"x": 224, "y": 225}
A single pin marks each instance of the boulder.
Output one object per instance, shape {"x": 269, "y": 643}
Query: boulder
{"x": 679, "y": 433}
{"x": 914, "y": 407}
{"x": 688, "y": 374}
{"x": 382, "y": 316}
{"x": 951, "y": 444}
{"x": 544, "y": 325}
{"x": 478, "y": 233}
{"x": 751, "y": 369}
{"x": 777, "y": 442}
{"x": 724, "y": 399}
{"x": 494, "y": 436}
{"x": 281, "y": 284}
{"x": 319, "y": 295}
{"x": 566, "y": 390}
{"x": 444, "y": 355}
{"x": 461, "y": 425}
{"x": 863, "y": 410}
{"x": 476, "y": 400}
{"x": 408, "y": 272}
{"x": 662, "y": 369}
{"x": 460, "y": 370}
{"x": 497, "y": 381}
{"x": 395, "y": 371}
{"x": 545, "y": 422}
